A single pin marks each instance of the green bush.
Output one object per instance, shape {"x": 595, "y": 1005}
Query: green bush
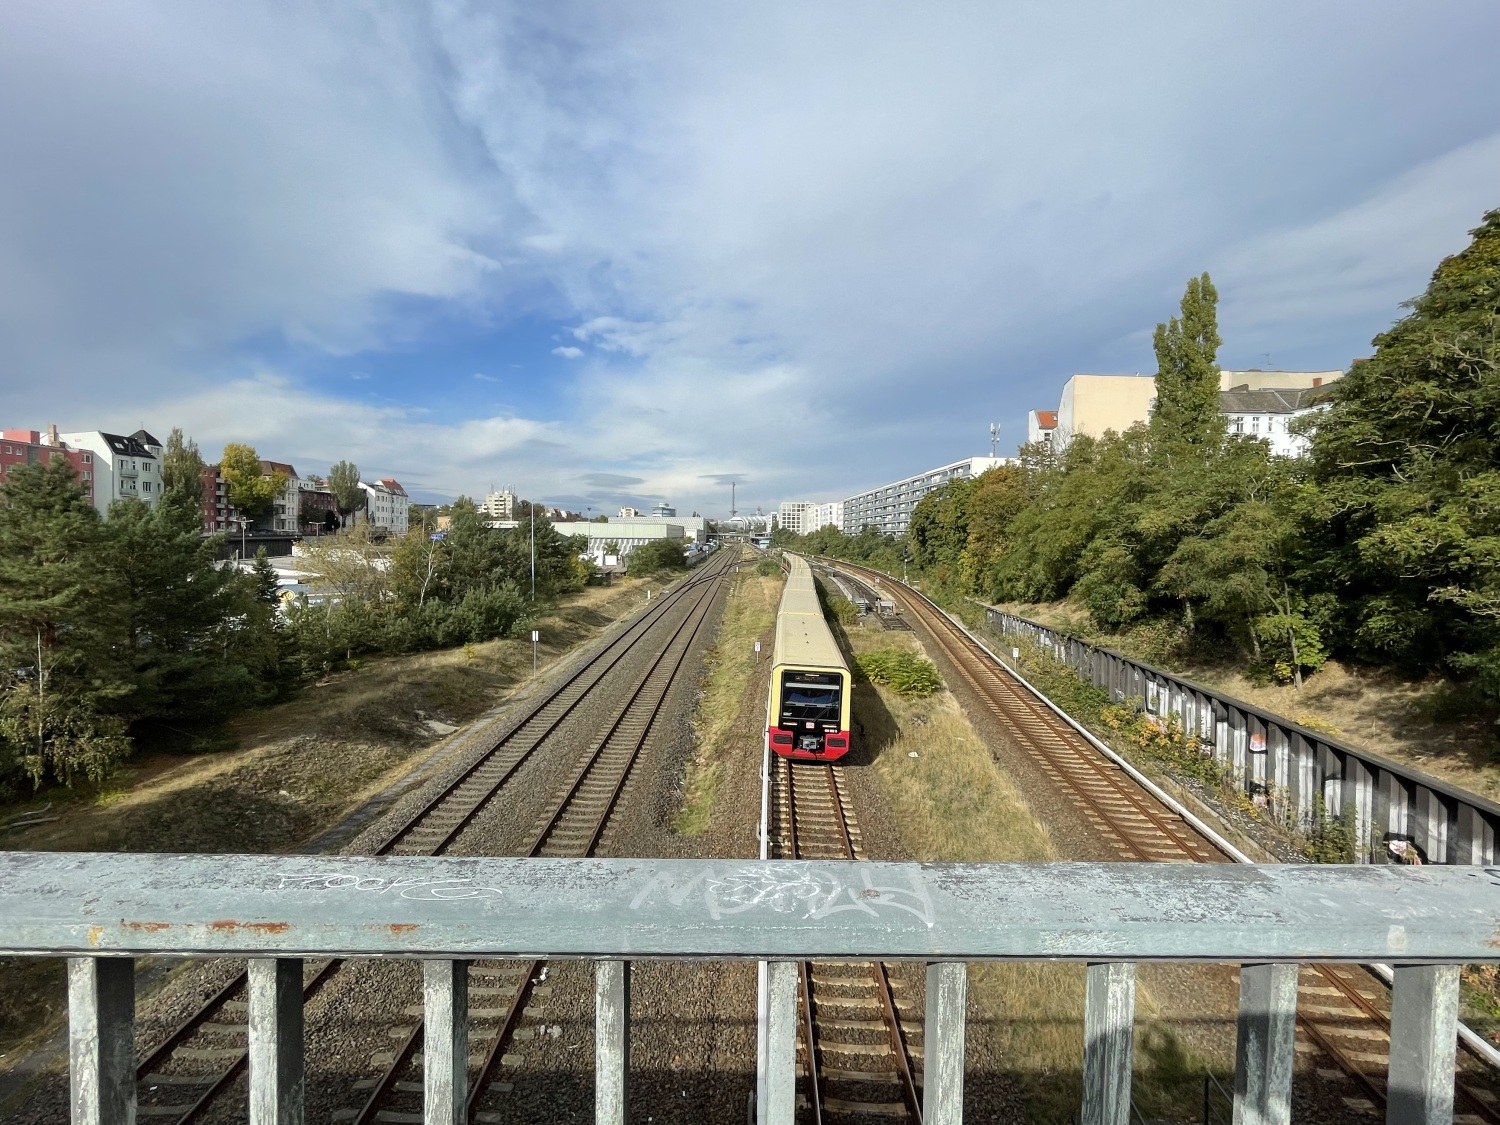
{"x": 903, "y": 672}
{"x": 767, "y": 568}
{"x": 659, "y": 554}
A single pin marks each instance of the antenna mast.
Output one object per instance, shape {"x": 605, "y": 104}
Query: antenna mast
{"x": 994, "y": 436}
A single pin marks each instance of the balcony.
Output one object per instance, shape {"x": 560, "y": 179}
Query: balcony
{"x": 104, "y": 910}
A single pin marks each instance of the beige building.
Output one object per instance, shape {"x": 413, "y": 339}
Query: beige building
{"x": 1092, "y": 404}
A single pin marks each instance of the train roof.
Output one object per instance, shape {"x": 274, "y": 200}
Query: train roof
{"x": 803, "y": 638}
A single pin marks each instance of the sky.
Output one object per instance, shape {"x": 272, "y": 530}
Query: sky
{"x": 616, "y": 253}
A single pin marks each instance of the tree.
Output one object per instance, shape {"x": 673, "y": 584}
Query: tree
{"x": 419, "y": 568}
{"x": 659, "y": 554}
{"x": 179, "y": 611}
{"x": 343, "y": 482}
{"x": 61, "y": 684}
{"x": 1187, "y": 416}
{"x": 182, "y": 468}
{"x": 250, "y": 491}
{"x": 1408, "y": 466}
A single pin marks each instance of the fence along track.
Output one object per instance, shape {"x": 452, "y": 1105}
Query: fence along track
{"x": 573, "y": 829}
{"x": 1342, "y": 1009}
{"x": 205, "y": 1053}
{"x": 857, "y": 1056}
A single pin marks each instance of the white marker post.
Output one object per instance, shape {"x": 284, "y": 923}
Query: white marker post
{"x": 536, "y": 635}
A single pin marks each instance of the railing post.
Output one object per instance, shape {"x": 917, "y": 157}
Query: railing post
{"x": 275, "y": 1019}
{"x": 611, "y": 1041}
{"x": 445, "y": 1042}
{"x": 1424, "y": 1029}
{"x": 780, "y": 1107}
{"x": 1108, "y": 1030}
{"x": 1267, "y": 1044}
{"x": 943, "y": 1043}
{"x": 101, "y": 1039}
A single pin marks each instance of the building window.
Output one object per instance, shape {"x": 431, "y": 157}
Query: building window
{"x": 88, "y": 458}
{"x": 87, "y": 475}
{"x": 145, "y": 486}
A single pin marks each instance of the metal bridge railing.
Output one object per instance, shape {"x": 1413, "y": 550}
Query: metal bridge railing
{"x": 102, "y": 910}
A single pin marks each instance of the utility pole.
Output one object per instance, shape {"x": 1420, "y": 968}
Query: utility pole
{"x": 531, "y": 511}
{"x": 731, "y": 499}
{"x": 994, "y": 436}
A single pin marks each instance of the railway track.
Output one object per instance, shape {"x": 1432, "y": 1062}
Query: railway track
{"x": 1343, "y": 1011}
{"x": 858, "y": 1023}
{"x": 196, "y": 1064}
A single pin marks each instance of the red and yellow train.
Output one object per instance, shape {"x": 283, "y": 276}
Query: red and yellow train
{"x": 807, "y": 714}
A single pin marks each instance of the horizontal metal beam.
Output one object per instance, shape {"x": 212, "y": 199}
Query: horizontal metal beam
{"x": 318, "y": 906}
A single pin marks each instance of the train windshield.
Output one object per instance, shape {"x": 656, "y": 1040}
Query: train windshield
{"x": 810, "y": 696}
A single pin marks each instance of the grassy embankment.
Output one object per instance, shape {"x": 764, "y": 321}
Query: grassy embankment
{"x": 951, "y": 801}
{"x": 291, "y": 771}
{"x": 749, "y": 614}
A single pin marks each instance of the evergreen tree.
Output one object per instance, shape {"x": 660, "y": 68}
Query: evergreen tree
{"x": 179, "y": 612}
{"x": 1187, "y": 417}
{"x": 60, "y": 679}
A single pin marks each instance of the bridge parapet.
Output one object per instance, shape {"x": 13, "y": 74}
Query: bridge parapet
{"x": 103, "y": 910}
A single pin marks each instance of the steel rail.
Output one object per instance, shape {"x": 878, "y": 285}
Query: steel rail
{"x": 940, "y": 625}
{"x": 880, "y": 977}
{"x": 696, "y": 616}
{"x": 640, "y": 625}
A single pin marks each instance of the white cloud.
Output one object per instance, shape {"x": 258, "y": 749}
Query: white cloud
{"x": 814, "y": 246}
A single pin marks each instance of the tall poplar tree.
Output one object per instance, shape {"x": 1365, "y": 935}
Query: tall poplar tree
{"x": 343, "y": 482}
{"x": 1187, "y": 413}
{"x": 182, "y": 468}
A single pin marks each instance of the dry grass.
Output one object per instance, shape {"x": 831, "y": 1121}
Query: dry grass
{"x": 951, "y": 801}
{"x": 749, "y": 614}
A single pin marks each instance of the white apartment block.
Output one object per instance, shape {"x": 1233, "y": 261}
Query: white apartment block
{"x": 123, "y": 467}
{"x": 386, "y": 505}
{"x": 794, "y": 515}
{"x": 889, "y": 507}
{"x": 500, "y": 505}
{"x": 825, "y": 514}
{"x": 1268, "y": 414}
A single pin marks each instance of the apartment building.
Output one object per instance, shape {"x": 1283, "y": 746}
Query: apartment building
{"x": 34, "y": 447}
{"x": 1268, "y": 414}
{"x": 824, "y": 514}
{"x": 500, "y": 505}
{"x": 889, "y": 507}
{"x": 1093, "y": 404}
{"x": 794, "y": 516}
{"x": 123, "y": 467}
{"x": 386, "y": 505}
{"x": 1041, "y": 425}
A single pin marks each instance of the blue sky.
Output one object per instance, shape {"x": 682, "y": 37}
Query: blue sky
{"x": 617, "y": 253}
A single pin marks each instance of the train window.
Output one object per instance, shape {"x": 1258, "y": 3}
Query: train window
{"x": 813, "y": 702}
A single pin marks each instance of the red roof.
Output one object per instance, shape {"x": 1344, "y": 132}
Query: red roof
{"x": 1046, "y": 419}
{"x": 393, "y": 485}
